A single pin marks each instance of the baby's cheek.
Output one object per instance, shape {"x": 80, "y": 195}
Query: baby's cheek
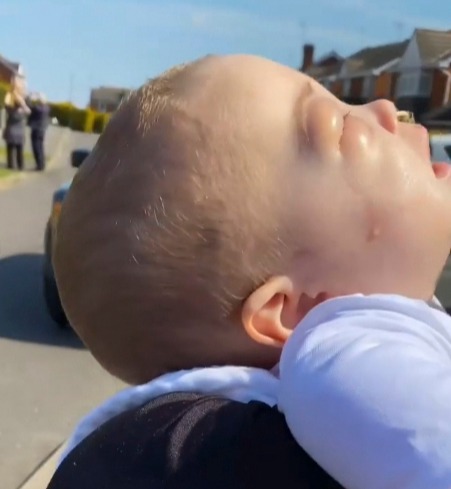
{"x": 355, "y": 141}
{"x": 363, "y": 161}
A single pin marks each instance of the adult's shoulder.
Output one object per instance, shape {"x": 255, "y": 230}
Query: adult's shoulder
{"x": 183, "y": 440}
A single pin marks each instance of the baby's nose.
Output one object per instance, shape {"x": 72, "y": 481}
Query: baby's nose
{"x": 386, "y": 114}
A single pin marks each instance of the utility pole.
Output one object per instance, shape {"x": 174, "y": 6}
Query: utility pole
{"x": 400, "y": 26}
{"x": 303, "y": 32}
{"x": 303, "y": 29}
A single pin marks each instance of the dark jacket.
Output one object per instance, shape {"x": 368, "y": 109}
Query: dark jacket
{"x": 14, "y": 132}
{"x": 38, "y": 120}
{"x": 189, "y": 441}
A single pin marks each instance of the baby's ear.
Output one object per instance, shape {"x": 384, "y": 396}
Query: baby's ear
{"x": 270, "y": 313}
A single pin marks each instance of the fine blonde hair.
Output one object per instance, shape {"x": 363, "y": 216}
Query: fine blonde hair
{"x": 166, "y": 230}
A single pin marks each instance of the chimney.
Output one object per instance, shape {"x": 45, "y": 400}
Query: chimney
{"x": 307, "y": 62}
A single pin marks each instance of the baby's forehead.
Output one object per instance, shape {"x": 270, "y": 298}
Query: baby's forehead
{"x": 249, "y": 76}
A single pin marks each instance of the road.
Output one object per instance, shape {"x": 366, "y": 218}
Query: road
{"x": 47, "y": 379}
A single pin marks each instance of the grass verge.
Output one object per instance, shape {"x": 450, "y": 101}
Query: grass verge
{"x": 4, "y": 172}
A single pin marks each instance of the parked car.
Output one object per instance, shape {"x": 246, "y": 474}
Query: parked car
{"x": 440, "y": 147}
{"x": 51, "y": 295}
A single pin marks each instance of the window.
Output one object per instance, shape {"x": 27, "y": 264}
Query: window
{"x": 407, "y": 85}
{"x": 414, "y": 84}
{"x": 425, "y": 84}
{"x": 346, "y": 87}
{"x": 368, "y": 87}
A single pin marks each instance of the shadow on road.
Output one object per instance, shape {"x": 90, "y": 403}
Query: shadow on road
{"x": 23, "y": 315}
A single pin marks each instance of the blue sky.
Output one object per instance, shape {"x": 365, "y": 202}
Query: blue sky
{"x": 69, "y": 46}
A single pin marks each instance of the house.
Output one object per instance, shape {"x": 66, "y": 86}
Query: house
{"x": 424, "y": 73}
{"x": 325, "y": 70}
{"x": 365, "y": 75}
{"x": 9, "y": 70}
{"x": 107, "y": 99}
{"x": 415, "y": 73}
{"x": 359, "y": 78}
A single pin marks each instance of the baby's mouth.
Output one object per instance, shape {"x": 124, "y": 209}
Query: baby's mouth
{"x": 441, "y": 169}
{"x": 405, "y": 116}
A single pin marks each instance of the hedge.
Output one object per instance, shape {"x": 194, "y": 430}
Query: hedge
{"x": 85, "y": 120}
{"x": 62, "y": 112}
{"x": 82, "y": 120}
{"x": 100, "y": 122}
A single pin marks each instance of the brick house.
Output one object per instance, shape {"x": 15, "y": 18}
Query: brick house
{"x": 325, "y": 70}
{"x": 361, "y": 77}
{"x": 424, "y": 73}
{"x": 107, "y": 99}
{"x": 415, "y": 74}
{"x": 366, "y": 74}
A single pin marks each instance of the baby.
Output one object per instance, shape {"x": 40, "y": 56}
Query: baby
{"x": 235, "y": 212}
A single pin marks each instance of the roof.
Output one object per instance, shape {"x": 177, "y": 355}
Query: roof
{"x": 371, "y": 58}
{"x": 317, "y": 71}
{"x": 110, "y": 90}
{"x": 111, "y": 94}
{"x": 12, "y": 66}
{"x": 328, "y": 65}
{"x": 330, "y": 54}
{"x": 432, "y": 44}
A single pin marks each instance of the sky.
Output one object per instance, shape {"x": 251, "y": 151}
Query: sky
{"x": 67, "y": 47}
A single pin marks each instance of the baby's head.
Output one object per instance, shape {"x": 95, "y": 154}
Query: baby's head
{"x": 228, "y": 197}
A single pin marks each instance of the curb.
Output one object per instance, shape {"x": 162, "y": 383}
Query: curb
{"x": 40, "y": 478}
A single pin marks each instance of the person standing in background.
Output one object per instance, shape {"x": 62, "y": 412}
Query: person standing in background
{"x": 14, "y": 133}
{"x": 38, "y": 122}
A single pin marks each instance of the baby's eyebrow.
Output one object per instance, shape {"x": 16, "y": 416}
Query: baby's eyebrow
{"x": 304, "y": 95}
{"x": 298, "y": 114}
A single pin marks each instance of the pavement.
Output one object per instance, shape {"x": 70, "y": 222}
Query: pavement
{"x": 48, "y": 380}
{"x": 41, "y": 477}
